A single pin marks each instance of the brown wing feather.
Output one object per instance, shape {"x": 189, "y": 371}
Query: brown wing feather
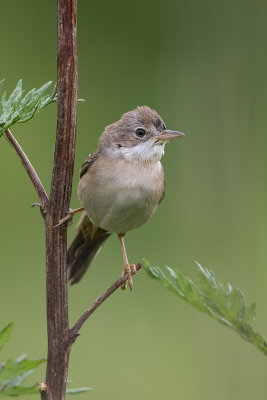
{"x": 163, "y": 191}
{"x": 92, "y": 157}
{"x": 84, "y": 247}
{"x": 88, "y": 239}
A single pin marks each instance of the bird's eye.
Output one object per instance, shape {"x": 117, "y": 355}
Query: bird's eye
{"x": 140, "y": 132}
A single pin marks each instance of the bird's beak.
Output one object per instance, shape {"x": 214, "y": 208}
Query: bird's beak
{"x": 168, "y": 135}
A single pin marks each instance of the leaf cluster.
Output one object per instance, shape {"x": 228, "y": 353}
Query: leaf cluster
{"x": 19, "y": 108}
{"x": 225, "y": 304}
{"x": 14, "y": 372}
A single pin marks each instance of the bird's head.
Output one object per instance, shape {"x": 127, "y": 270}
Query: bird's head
{"x": 139, "y": 134}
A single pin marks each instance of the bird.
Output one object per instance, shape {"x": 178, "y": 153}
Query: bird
{"x": 120, "y": 187}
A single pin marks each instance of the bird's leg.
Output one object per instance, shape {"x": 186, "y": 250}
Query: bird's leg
{"x": 69, "y": 216}
{"x": 128, "y": 268}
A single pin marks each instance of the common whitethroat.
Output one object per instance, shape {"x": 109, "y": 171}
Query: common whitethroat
{"x": 121, "y": 185}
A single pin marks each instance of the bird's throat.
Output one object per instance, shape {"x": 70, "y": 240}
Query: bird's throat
{"x": 145, "y": 151}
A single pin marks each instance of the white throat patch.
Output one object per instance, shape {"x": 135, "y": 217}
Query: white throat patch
{"x": 146, "y": 151}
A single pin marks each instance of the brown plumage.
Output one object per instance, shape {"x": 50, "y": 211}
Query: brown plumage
{"x": 84, "y": 247}
{"x": 120, "y": 186}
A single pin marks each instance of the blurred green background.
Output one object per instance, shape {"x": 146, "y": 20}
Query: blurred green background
{"x": 202, "y": 66}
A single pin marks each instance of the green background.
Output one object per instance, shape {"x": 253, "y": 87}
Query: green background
{"x": 202, "y": 66}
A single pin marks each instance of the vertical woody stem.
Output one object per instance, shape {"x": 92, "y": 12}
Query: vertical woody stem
{"x": 59, "y": 201}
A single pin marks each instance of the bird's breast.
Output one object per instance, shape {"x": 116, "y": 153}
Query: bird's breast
{"x": 120, "y": 195}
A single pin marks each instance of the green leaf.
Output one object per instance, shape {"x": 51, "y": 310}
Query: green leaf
{"x": 21, "y": 109}
{"x": 19, "y": 379}
{"x": 15, "y": 96}
{"x": 5, "y": 333}
{"x": 14, "y": 372}
{"x": 222, "y": 303}
{"x": 250, "y": 313}
{"x": 13, "y": 369}
{"x": 79, "y": 390}
{"x": 19, "y": 391}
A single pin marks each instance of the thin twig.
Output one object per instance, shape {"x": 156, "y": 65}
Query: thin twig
{"x": 74, "y": 332}
{"x": 38, "y": 186}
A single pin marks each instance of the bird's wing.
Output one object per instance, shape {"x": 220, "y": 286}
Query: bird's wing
{"x": 163, "y": 191}
{"x": 84, "y": 247}
{"x": 91, "y": 158}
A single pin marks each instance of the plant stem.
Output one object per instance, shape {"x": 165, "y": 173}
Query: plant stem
{"x": 74, "y": 332}
{"x": 38, "y": 186}
{"x": 58, "y": 206}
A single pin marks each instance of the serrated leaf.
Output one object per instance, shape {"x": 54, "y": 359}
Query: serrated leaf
{"x": 19, "y": 379}
{"x": 15, "y": 96}
{"x": 236, "y": 303}
{"x": 79, "y": 390}
{"x": 48, "y": 98}
{"x": 19, "y": 391}
{"x": 21, "y": 109}
{"x": 250, "y": 313}
{"x": 39, "y": 92}
{"x": 225, "y": 304}
{"x": 13, "y": 368}
{"x": 5, "y": 334}
{"x": 207, "y": 278}
{"x": 14, "y": 372}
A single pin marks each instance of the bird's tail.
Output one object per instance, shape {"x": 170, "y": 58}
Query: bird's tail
{"x": 84, "y": 247}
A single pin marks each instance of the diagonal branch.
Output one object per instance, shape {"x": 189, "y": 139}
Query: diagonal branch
{"x": 38, "y": 186}
{"x": 74, "y": 331}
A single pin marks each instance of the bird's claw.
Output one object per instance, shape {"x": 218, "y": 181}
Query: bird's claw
{"x": 133, "y": 269}
{"x": 129, "y": 269}
{"x": 68, "y": 218}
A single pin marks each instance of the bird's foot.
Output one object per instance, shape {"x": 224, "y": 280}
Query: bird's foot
{"x": 68, "y": 217}
{"x": 129, "y": 269}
